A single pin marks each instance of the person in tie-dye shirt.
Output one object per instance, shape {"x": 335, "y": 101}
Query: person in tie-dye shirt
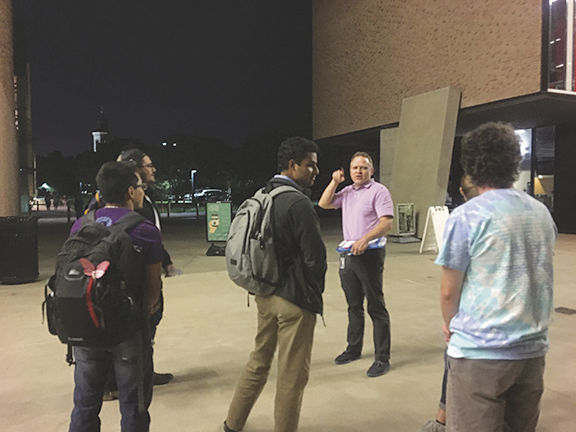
{"x": 496, "y": 291}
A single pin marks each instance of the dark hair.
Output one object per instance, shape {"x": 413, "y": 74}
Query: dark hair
{"x": 114, "y": 179}
{"x": 468, "y": 190}
{"x": 133, "y": 155}
{"x": 296, "y": 149}
{"x": 362, "y": 154}
{"x": 491, "y": 155}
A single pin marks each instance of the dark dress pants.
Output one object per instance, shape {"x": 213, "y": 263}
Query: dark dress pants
{"x": 361, "y": 277}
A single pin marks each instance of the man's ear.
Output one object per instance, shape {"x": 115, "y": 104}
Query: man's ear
{"x": 291, "y": 164}
{"x": 130, "y": 193}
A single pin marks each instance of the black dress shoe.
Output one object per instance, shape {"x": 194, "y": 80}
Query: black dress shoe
{"x": 347, "y": 357}
{"x": 161, "y": 379}
{"x": 378, "y": 368}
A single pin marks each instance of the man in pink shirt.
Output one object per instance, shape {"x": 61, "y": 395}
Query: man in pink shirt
{"x": 367, "y": 214}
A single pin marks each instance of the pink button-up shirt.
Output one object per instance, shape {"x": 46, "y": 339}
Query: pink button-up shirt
{"x": 362, "y": 207}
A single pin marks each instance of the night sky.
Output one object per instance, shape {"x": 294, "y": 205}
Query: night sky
{"x": 226, "y": 69}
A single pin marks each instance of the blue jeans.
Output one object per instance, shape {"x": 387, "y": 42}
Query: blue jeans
{"x": 132, "y": 364}
{"x": 153, "y": 321}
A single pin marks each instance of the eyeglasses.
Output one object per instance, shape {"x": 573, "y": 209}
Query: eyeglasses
{"x": 149, "y": 165}
{"x": 144, "y": 186}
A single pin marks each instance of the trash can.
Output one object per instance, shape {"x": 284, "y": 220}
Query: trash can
{"x": 18, "y": 249}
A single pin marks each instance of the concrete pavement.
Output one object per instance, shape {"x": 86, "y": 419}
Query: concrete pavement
{"x": 207, "y": 334}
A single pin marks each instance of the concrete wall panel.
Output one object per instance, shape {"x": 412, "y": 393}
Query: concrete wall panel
{"x": 424, "y": 151}
{"x": 388, "y": 143}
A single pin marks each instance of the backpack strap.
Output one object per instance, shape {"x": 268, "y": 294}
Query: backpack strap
{"x": 282, "y": 189}
{"x": 127, "y": 222}
{"x": 88, "y": 217}
{"x": 70, "y": 355}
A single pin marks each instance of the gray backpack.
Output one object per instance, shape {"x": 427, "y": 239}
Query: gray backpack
{"x": 251, "y": 258}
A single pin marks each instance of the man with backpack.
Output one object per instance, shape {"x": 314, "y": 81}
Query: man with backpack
{"x": 131, "y": 357}
{"x": 287, "y": 316}
{"x": 147, "y": 171}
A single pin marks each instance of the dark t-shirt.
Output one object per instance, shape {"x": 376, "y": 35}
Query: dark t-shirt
{"x": 145, "y": 235}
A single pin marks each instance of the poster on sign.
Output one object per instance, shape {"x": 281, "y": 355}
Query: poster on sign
{"x": 218, "y": 220}
{"x": 405, "y": 219}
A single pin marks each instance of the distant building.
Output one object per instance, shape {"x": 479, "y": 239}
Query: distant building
{"x": 100, "y": 135}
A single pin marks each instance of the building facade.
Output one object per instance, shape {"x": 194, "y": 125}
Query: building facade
{"x": 506, "y": 61}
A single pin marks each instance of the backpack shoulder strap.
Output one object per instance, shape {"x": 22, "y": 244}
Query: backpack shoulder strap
{"x": 89, "y": 217}
{"x": 128, "y": 221}
{"x": 282, "y": 189}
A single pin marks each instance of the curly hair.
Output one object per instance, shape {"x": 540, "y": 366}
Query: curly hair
{"x": 491, "y": 155}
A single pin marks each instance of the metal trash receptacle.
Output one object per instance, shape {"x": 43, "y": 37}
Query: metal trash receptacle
{"x": 18, "y": 249}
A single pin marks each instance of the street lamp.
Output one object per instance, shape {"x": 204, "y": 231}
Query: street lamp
{"x": 192, "y": 172}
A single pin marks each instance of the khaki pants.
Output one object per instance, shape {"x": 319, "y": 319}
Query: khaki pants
{"x": 494, "y": 395}
{"x": 291, "y": 328}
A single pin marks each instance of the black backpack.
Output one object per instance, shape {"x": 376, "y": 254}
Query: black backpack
{"x": 95, "y": 297}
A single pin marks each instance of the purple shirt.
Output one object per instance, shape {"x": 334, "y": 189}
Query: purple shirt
{"x": 362, "y": 208}
{"x": 145, "y": 234}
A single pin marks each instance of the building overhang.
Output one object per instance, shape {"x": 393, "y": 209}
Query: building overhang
{"x": 525, "y": 112}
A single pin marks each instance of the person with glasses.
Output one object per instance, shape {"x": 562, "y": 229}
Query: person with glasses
{"x": 146, "y": 169}
{"x": 131, "y": 359}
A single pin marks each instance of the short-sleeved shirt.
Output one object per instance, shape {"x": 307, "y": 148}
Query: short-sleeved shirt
{"x": 362, "y": 207}
{"x": 503, "y": 241}
{"x": 145, "y": 235}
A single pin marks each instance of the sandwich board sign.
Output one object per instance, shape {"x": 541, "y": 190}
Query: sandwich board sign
{"x": 434, "y": 228}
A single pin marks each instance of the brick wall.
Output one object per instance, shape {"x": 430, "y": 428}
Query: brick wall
{"x": 370, "y": 54}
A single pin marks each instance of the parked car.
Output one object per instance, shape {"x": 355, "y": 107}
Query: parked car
{"x": 211, "y": 195}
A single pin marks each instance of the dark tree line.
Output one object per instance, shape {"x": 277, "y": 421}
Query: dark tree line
{"x": 218, "y": 165}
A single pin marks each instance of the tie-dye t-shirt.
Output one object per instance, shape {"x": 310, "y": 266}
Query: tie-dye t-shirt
{"x": 503, "y": 241}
